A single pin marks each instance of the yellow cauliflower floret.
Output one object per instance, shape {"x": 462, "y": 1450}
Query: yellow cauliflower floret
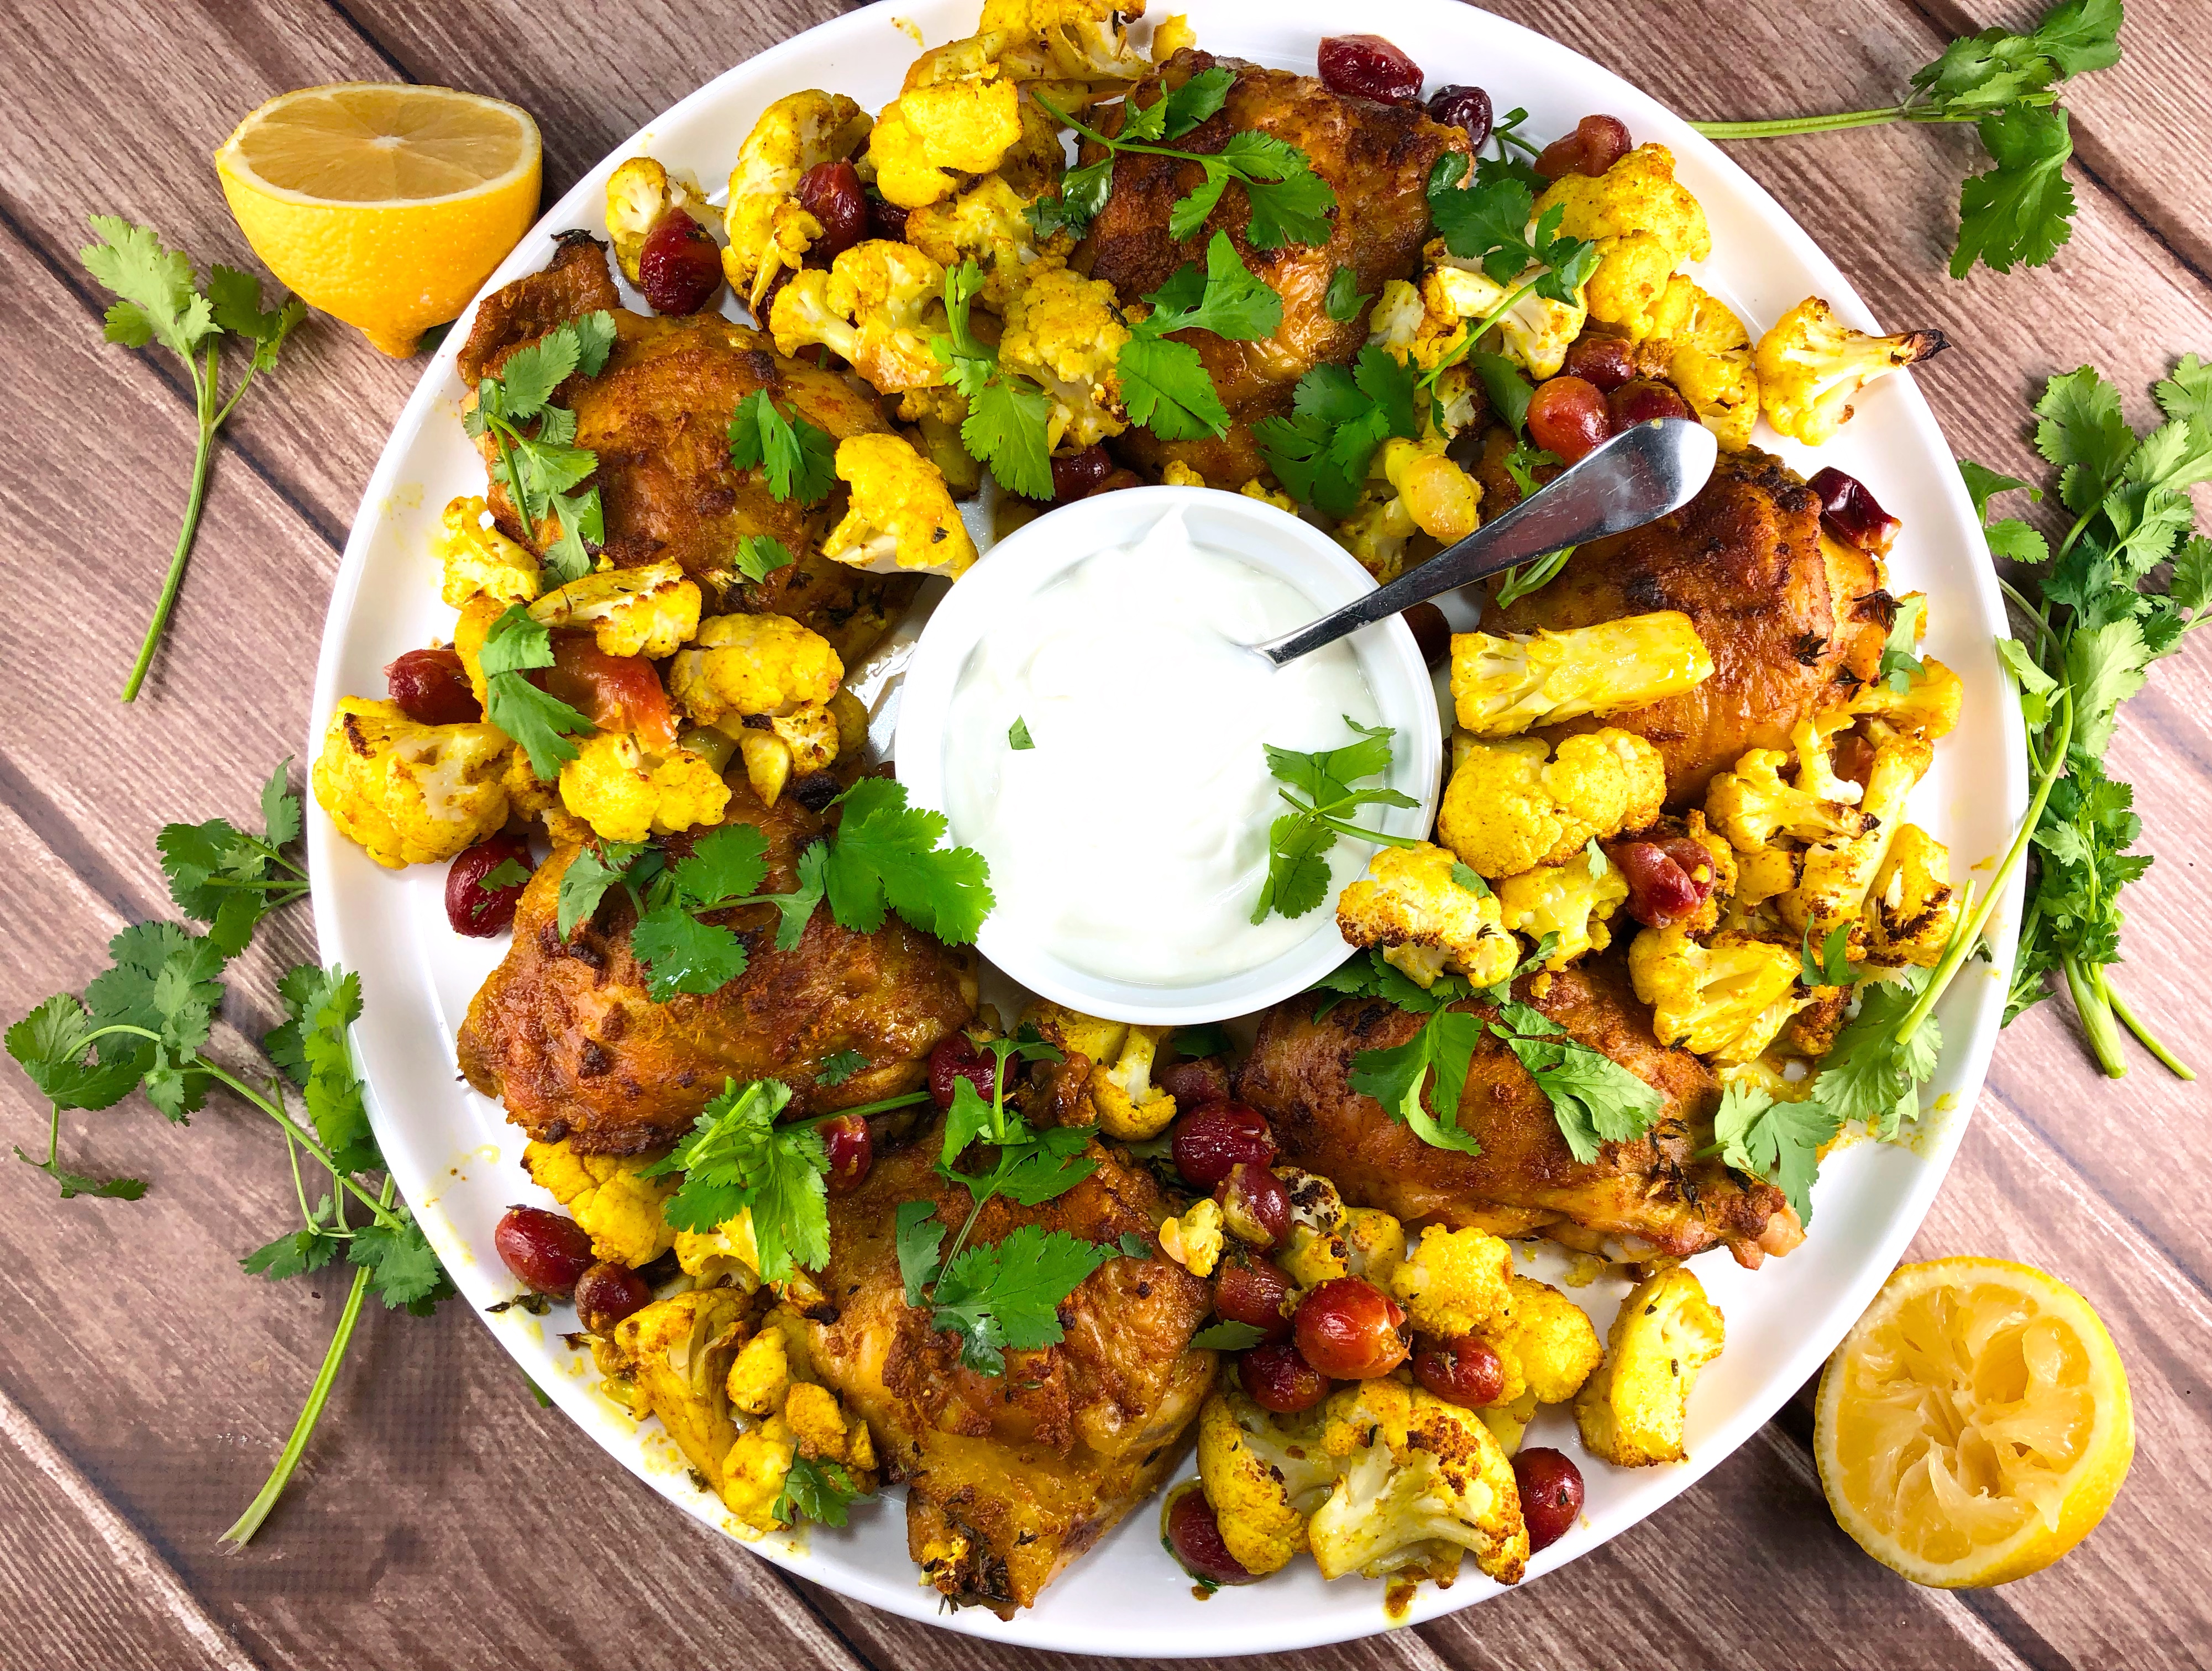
{"x": 805, "y": 740}
{"x": 1064, "y": 331}
{"x": 1504, "y": 686}
{"x": 1511, "y": 805}
{"x": 1442, "y": 500}
{"x": 1547, "y": 1343}
{"x": 1454, "y": 1281}
{"x": 649, "y": 611}
{"x": 410, "y": 793}
{"x": 1374, "y": 1243}
{"x": 1537, "y": 330}
{"x": 619, "y": 1209}
{"x": 1409, "y": 902}
{"x": 626, "y": 795}
{"x": 902, "y": 518}
{"x": 768, "y": 229}
{"x": 1194, "y": 1240}
{"x": 1632, "y": 1412}
{"x": 1170, "y": 35}
{"x": 1075, "y": 1032}
{"x": 870, "y": 307}
{"x": 1572, "y": 901}
{"x": 639, "y": 193}
{"x": 1262, "y": 1475}
{"x": 676, "y": 1353}
{"x": 1751, "y": 805}
{"x": 1911, "y": 906}
{"x": 726, "y": 1254}
{"x": 985, "y": 224}
{"x": 1419, "y": 1483}
{"x": 760, "y": 1375}
{"x": 1812, "y": 739}
{"x": 478, "y": 615}
{"x": 1130, "y": 1106}
{"x": 1378, "y": 531}
{"x": 1707, "y": 353}
{"x": 1727, "y": 999}
{"x": 479, "y": 561}
{"x": 1313, "y": 1255}
{"x": 1928, "y": 705}
{"x": 1811, "y": 364}
{"x": 1257, "y": 489}
{"x": 753, "y": 663}
{"x": 1835, "y": 875}
{"x": 929, "y": 134}
{"x": 1644, "y": 223}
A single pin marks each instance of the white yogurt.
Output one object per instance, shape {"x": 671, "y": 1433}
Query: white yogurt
{"x": 1132, "y": 838}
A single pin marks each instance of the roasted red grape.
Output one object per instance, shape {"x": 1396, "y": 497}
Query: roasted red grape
{"x": 1467, "y": 1370}
{"x": 1567, "y": 416}
{"x": 680, "y": 267}
{"x": 615, "y": 693}
{"x": 606, "y": 1294}
{"x": 1368, "y": 67}
{"x": 830, "y": 192}
{"x": 1432, "y": 632}
{"x": 1605, "y": 363}
{"x": 1252, "y": 1291}
{"x": 1851, "y": 515}
{"x": 886, "y": 220}
{"x": 1458, "y": 106}
{"x": 1192, "y": 1083}
{"x": 959, "y": 1058}
{"x": 852, "y": 1150}
{"x": 1077, "y": 475}
{"x": 1641, "y": 401}
{"x": 1254, "y": 1204}
{"x": 1210, "y": 1142}
{"x": 432, "y": 687}
{"x": 1350, "y": 1330}
{"x": 1668, "y": 880}
{"x": 1275, "y": 1377}
{"x": 476, "y": 907}
{"x": 1597, "y": 144}
{"x": 546, "y": 1251}
{"x": 1550, "y": 1494}
{"x": 1194, "y": 1537}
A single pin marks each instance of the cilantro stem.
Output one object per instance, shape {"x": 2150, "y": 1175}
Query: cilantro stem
{"x": 241, "y": 1530}
{"x": 2174, "y": 1065}
{"x": 1780, "y": 127}
{"x": 863, "y": 1109}
{"x": 204, "y": 391}
{"x": 2104, "y": 1034}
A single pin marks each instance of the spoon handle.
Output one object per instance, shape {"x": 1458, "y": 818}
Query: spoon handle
{"x": 1637, "y": 476}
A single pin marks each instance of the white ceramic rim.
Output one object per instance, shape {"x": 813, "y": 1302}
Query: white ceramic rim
{"x": 1870, "y": 1200}
{"x": 1035, "y": 555}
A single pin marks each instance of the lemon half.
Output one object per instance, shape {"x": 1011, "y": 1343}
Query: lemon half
{"x": 385, "y": 205}
{"x": 1975, "y": 1425}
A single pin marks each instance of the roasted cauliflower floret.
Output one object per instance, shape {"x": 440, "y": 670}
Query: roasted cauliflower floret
{"x": 725, "y": 1254}
{"x": 752, "y": 664}
{"x": 641, "y": 191}
{"x": 810, "y": 1423}
{"x": 760, "y": 1375}
{"x": 1572, "y": 901}
{"x": 985, "y": 224}
{"x": 1644, "y": 224}
{"x": 1928, "y": 705}
{"x": 1374, "y": 1244}
{"x": 1170, "y": 35}
{"x": 870, "y": 307}
{"x": 1812, "y": 740}
{"x": 929, "y": 135}
{"x": 1130, "y": 1106}
{"x": 1453, "y": 1282}
{"x": 617, "y": 1209}
{"x": 1504, "y": 686}
{"x": 1195, "y": 1239}
{"x": 1378, "y": 531}
{"x": 410, "y": 793}
{"x": 626, "y": 794}
{"x": 479, "y": 561}
{"x": 1537, "y": 330}
{"x": 1835, "y": 875}
{"x": 1442, "y": 500}
{"x": 1632, "y": 1412}
{"x": 768, "y": 230}
{"x": 1911, "y": 908}
{"x": 1727, "y": 999}
{"x": 1751, "y": 805}
{"x": 1511, "y": 805}
{"x": 675, "y": 1354}
{"x": 1706, "y": 353}
{"x": 1811, "y": 364}
{"x": 1418, "y": 1481}
{"x": 1409, "y": 903}
{"x": 1262, "y": 1475}
{"x": 902, "y": 518}
{"x": 805, "y": 740}
{"x": 649, "y": 611}
{"x": 1547, "y": 1343}
{"x": 1064, "y": 331}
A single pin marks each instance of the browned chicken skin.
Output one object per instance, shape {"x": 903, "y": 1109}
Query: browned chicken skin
{"x": 1636, "y": 1199}
{"x": 657, "y": 416}
{"x": 566, "y": 1036}
{"x": 1376, "y": 158}
{"x": 1009, "y": 1478}
{"x": 1794, "y": 620}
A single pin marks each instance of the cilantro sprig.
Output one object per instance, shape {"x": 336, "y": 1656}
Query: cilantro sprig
{"x": 542, "y": 723}
{"x": 820, "y": 1491}
{"x": 1319, "y": 789}
{"x": 158, "y": 299}
{"x": 2021, "y": 209}
{"x": 736, "y": 1159}
{"x": 147, "y": 1024}
{"x": 1289, "y": 202}
{"x": 541, "y": 466}
{"x": 1339, "y": 414}
{"x": 1009, "y": 416}
{"x": 799, "y": 458}
{"x": 1164, "y": 384}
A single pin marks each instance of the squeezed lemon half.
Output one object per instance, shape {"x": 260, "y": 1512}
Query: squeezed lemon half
{"x": 1975, "y": 1425}
{"x": 385, "y": 205}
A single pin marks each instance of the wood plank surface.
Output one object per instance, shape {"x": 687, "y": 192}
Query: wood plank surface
{"x": 443, "y": 1518}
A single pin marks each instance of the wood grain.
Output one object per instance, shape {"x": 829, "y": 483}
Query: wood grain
{"x": 443, "y": 1519}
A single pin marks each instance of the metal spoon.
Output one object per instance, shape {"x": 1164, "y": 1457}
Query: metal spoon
{"x": 1637, "y": 476}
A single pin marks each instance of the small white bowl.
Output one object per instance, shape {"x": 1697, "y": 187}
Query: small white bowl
{"x": 1034, "y": 557}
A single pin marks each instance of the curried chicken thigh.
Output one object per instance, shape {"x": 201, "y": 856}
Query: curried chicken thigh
{"x": 1009, "y": 1478}
{"x": 1376, "y": 157}
{"x": 565, "y": 1035}
{"x": 1636, "y": 1199}
{"x": 1794, "y": 621}
{"x": 657, "y": 416}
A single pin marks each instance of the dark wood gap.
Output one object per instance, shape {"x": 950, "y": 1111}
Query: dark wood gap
{"x": 370, "y": 41}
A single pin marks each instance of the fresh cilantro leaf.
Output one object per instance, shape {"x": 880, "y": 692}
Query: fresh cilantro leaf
{"x": 2104, "y": 667}
{"x": 1984, "y": 484}
{"x": 920, "y": 1234}
{"x": 725, "y": 865}
{"x": 1228, "y": 300}
{"x": 280, "y": 808}
{"x": 796, "y": 908}
{"x": 50, "y": 1044}
{"x": 507, "y": 873}
{"x": 1397, "y": 1076}
{"x": 2035, "y": 685}
{"x": 1321, "y": 796}
{"x": 2192, "y": 585}
{"x": 1595, "y": 1100}
{"x": 1083, "y": 192}
{"x": 1832, "y": 966}
{"x": 1046, "y": 1167}
{"x": 1342, "y": 300}
{"x": 292, "y": 1255}
{"x": 1164, "y": 388}
{"x": 1017, "y": 735}
{"x": 528, "y": 377}
{"x": 682, "y": 953}
{"x": 1467, "y": 879}
{"x": 591, "y": 873}
{"x": 1779, "y": 1142}
{"x": 1206, "y": 1038}
{"x": 1184, "y": 107}
{"x": 540, "y": 722}
{"x": 402, "y": 1269}
{"x": 311, "y": 1045}
{"x": 1508, "y": 390}
{"x": 1867, "y": 1075}
{"x": 1133, "y": 1246}
{"x": 797, "y": 457}
{"x": 1339, "y": 417}
{"x": 821, "y": 1491}
{"x": 735, "y": 1159}
{"x": 160, "y": 300}
{"x": 1006, "y": 428}
{"x": 1996, "y": 68}
{"x": 74, "y": 1184}
{"x": 1899, "y": 666}
{"x": 886, "y": 853}
{"x": 1008, "y": 1295}
{"x": 2083, "y": 434}
{"x": 1290, "y": 203}
{"x": 760, "y": 555}
{"x": 967, "y": 1118}
{"x": 1226, "y": 1336}
{"x": 595, "y": 340}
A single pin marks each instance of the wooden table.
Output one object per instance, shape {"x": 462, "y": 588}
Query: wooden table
{"x": 442, "y": 1517}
